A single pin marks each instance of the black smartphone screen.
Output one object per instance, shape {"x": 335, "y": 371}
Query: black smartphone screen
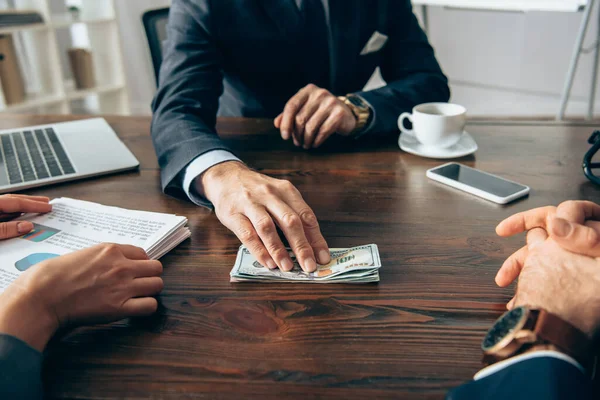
{"x": 479, "y": 180}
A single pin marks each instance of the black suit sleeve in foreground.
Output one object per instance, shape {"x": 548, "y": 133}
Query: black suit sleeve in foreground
{"x": 20, "y": 370}
{"x": 545, "y": 378}
{"x": 186, "y": 104}
{"x": 410, "y": 69}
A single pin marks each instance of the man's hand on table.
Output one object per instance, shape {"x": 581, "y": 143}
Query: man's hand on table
{"x": 560, "y": 282}
{"x": 312, "y": 115}
{"x": 573, "y": 225}
{"x": 101, "y": 284}
{"x": 252, "y": 204}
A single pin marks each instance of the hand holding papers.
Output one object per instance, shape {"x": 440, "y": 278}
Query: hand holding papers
{"x": 100, "y": 284}
{"x": 13, "y": 206}
{"x": 74, "y": 225}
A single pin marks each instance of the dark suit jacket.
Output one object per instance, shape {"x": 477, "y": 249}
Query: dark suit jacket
{"x": 20, "y": 370}
{"x": 250, "y": 55}
{"x": 543, "y": 378}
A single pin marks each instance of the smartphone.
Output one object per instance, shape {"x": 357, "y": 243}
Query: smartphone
{"x": 479, "y": 183}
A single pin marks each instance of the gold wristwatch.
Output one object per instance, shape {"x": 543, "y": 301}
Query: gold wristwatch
{"x": 360, "y": 109}
{"x": 522, "y": 328}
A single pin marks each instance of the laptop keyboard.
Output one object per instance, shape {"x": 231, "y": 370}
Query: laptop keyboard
{"x": 31, "y": 155}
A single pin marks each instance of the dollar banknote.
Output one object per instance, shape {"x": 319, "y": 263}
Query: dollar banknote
{"x": 353, "y": 265}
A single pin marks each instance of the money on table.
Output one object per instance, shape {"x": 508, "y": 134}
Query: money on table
{"x": 352, "y": 265}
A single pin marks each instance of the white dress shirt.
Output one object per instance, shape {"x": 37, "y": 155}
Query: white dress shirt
{"x": 494, "y": 368}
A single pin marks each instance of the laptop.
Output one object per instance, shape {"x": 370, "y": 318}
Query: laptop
{"x": 45, "y": 154}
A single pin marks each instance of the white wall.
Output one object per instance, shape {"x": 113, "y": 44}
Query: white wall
{"x": 512, "y": 63}
{"x": 498, "y": 63}
{"x": 139, "y": 70}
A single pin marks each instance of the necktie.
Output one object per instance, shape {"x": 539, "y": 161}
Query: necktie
{"x": 316, "y": 35}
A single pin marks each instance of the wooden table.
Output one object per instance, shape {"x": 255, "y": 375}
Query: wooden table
{"x": 414, "y": 335}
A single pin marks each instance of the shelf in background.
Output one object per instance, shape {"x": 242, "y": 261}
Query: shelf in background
{"x": 19, "y": 28}
{"x": 75, "y": 94}
{"x": 57, "y": 23}
{"x": 65, "y": 21}
{"x": 43, "y": 47}
{"x": 34, "y": 101}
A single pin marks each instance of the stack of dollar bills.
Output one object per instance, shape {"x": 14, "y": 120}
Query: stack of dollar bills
{"x": 355, "y": 265}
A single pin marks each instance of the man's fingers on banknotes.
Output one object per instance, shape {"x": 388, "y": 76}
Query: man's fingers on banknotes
{"x": 244, "y": 230}
{"x": 266, "y": 230}
{"x": 291, "y": 225}
{"x": 310, "y": 224}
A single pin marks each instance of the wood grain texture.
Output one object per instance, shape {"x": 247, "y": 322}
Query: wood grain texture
{"x": 413, "y": 336}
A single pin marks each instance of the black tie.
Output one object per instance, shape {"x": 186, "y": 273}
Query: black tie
{"x": 317, "y": 47}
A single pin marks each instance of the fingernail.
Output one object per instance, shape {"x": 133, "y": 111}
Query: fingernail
{"x": 24, "y": 227}
{"x": 310, "y": 265}
{"x": 287, "y": 264}
{"x": 560, "y": 227}
{"x": 497, "y": 230}
{"x": 285, "y": 135}
{"x": 510, "y": 304}
{"x": 324, "y": 257}
{"x": 271, "y": 264}
{"x": 498, "y": 280}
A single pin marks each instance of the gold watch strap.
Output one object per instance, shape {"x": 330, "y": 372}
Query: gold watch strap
{"x": 362, "y": 116}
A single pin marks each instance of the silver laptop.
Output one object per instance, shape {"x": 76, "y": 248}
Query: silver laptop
{"x": 45, "y": 154}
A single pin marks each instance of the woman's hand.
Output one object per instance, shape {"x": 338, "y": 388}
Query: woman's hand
{"x": 101, "y": 284}
{"x": 13, "y": 206}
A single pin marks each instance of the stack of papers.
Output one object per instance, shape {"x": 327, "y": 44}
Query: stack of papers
{"x": 74, "y": 225}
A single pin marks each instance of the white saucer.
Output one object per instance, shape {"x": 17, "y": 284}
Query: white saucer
{"x": 465, "y": 146}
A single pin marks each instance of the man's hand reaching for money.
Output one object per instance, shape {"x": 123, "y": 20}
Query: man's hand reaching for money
{"x": 252, "y": 205}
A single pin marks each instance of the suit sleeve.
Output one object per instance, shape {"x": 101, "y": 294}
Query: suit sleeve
{"x": 187, "y": 101}
{"x": 410, "y": 69}
{"x": 546, "y": 378}
{"x": 20, "y": 370}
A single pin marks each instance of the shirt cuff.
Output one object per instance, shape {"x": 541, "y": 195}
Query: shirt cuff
{"x": 492, "y": 369}
{"x": 197, "y": 167}
{"x": 367, "y": 128}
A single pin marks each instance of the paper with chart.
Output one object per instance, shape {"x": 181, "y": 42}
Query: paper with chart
{"x": 74, "y": 224}
{"x": 353, "y": 265}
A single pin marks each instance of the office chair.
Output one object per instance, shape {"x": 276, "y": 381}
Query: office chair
{"x": 588, "y": 165}
{"x": 155, "y": 24}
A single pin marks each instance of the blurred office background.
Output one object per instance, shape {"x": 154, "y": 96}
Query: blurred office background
{"x": 499, "y": 63}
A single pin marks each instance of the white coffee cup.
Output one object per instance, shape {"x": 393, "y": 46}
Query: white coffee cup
{"x": 436, "y": 124}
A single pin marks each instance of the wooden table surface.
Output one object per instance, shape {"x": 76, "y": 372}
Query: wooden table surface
{"x": 416, "y": 334}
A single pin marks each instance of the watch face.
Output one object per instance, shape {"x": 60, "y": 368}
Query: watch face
{"x": 357, "y": 101}
{"x": 508, "y": 323}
